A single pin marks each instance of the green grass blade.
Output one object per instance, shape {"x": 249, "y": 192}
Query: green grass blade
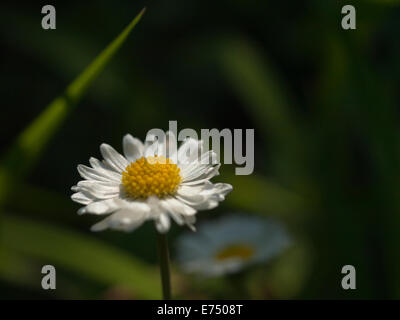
{"x": 269, "y": 102}
{"x": 31, "y": 142}
{"x": 259, "y": 87}
{"x": 81, "y": 254}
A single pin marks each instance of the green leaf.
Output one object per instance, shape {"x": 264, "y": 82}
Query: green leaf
{"x": 32, "y": 141}
{"x": 82, "y": 254}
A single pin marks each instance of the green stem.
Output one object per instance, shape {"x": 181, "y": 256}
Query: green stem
{"x": 163, "y": 256}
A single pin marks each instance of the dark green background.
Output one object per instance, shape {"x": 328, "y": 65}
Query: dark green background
{"x": 324, "y": 103}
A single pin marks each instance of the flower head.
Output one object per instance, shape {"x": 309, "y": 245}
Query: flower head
{"x": 230, "y": 244}
{"x": 152, "y": 181}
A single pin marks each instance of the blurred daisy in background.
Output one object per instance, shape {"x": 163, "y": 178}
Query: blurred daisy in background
{"x": 151, "y": 181}
{"x": 230, "y": 244}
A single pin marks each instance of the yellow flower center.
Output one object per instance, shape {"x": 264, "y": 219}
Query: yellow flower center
{"x": 151, "y": 176}
{"x": 241, "y": 251}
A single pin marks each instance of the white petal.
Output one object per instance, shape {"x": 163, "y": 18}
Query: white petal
{"x": 102, "y": 225}
{"x": 97, "y": 190}
{"x": 222, "y": 189}
{"x": 190, "y": 220}
{"x": 82, "y": 198}
{"x": 97, "y": 174}
{"x": 133, "y": 148}
{"x": 113, "y": 158}
{"x": 201, "y": 169}
{"x": 109, "y": 186}
{"x": 199, "y": 203}
{"x": 164, "y": 145}
{"x": 109, "y": 183}
{"x": 191, "y": 195}
{"x": 176, "y": 215}
{"x": 208, "y": 173}
{"x": 155, "y": 145}
{"x": 99, "y": 165}
{"x": 163, "y": 223}
{"x": 96, "y": 163}
{"x": 171, "y": 146}
{"x": 100, "y": 207}
{"x": 151, "y": 149}
{"x": 203, "y": 197}
{"x": 124, "y": 220}
{"x": 137, "y": 206}
{"x": 105, "y": 169}
{"x": 172, "y": 204}
{"x": 190, "y": 150}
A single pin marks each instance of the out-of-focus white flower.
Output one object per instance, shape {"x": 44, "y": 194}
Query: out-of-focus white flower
{"x": 152, "y": 181}
{"x": 229, "y": 244}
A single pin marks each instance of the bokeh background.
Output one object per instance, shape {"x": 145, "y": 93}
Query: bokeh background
{"x": 324, "y": 103}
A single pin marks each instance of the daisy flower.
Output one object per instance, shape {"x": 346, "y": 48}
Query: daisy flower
{"x": 229, "y": 244}
{"x": 151, "y": 181}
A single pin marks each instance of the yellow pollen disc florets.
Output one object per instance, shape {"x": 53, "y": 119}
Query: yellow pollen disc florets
{"x": 238, "y": 251}
{"x": 151, "y": 176}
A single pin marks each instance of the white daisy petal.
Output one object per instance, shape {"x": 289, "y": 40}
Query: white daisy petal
{"x": 98, "y": 190}
{"x": 190, "y": 221}
{"x": 100, "y": 226}
{"x": 101, "y": 175}
{"x": 200, "y": 169}
{"x": 179, "y": 207}
{"x": 113, "y": 158}
{"x": 151, "y": 149}
{"x": 133, "y": 148}
{"x": 175, "y": 214}
{"x": 123, "y": 220}
{"x": 137, "y": 206}
{"x": 163, "y": 223}
{"x": 203, "y": 197}
{"x": 104, "y": 169}
{"x": 96, "y": 163}
{"x": 155, "y": 145}
{"x": 82, "y": 198}
{"x": 218, "y": 190}
{"x": 171, "y": 147}
{"x": 206, "y": 176}
{"x": 177, "y": 210}
{"x": 190, "y": 150}
{"x": 100, "y": 207}
{"x": 104, "y": 187}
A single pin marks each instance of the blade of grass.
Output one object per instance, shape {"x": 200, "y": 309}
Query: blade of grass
{"x": 259, "y": 87}
{"x": 268, "y": 101}
{"x": 31, "y": 142}
{"x": 88, "y": 257}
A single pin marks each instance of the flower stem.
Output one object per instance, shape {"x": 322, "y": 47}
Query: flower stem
{"x": 163, "y": 256}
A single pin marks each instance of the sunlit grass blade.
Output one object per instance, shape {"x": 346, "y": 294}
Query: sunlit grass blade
{"x": 31, "y": 142}
{"x": 269, "y": 102}
{"x": 16, "y": 270}
{"x": 81, "y": 254}
{"x": 258, "y": 86}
